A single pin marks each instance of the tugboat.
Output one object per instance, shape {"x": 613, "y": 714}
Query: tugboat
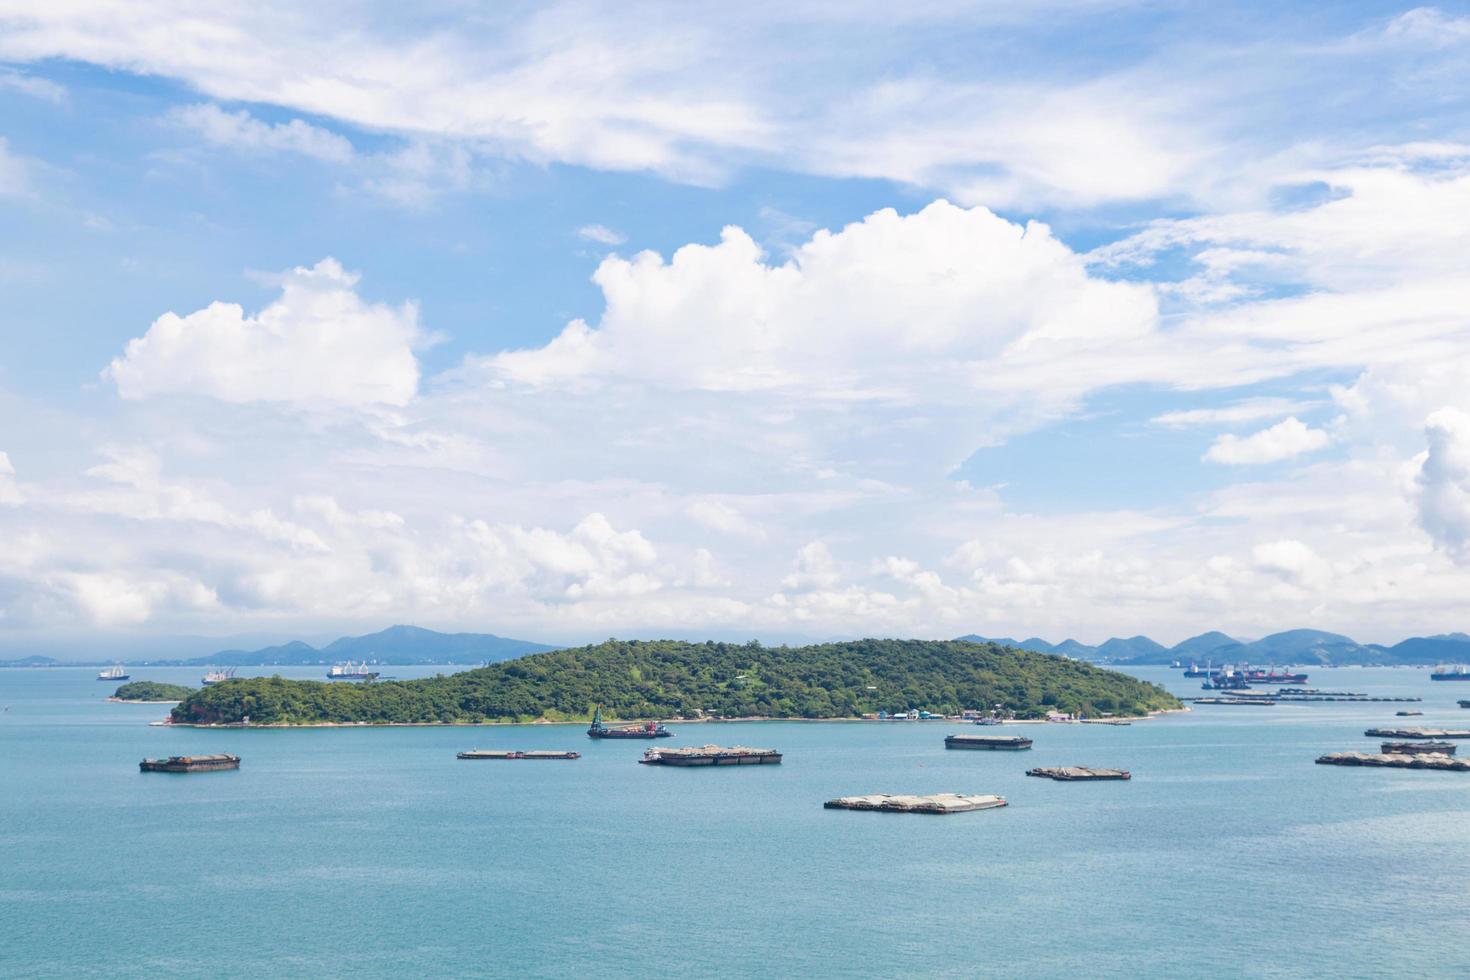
{"x": 650, "y": 729}
{"x": 113, "y": 673}
{"x": 349, "y": 671}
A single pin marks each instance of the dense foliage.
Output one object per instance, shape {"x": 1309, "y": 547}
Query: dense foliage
{"x": 668, "y": 678}
{"x": 152, "y": 691}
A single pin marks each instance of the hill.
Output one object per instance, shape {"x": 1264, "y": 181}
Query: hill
{"x": 1445, "y": 648}
{"x": 668, "y": 678}
{"x": 394, "y": 645}
{"x": 1308, "y": 647}
{"x": 1206, "y": 646}
{"x": 152, "y": 691}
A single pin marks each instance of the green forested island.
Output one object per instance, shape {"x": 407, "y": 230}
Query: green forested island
{"x": 152, "y": 691}
{"x": 667, "y": 678}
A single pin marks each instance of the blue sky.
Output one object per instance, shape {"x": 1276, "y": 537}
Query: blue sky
{"x": 791, "y": 320}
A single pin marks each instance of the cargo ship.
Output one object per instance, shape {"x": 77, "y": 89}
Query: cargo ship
{"x": 986, "y": 742}
{"x": 190, "y": 763}
{"x": 1450, "y": 672}
{"x": 516, "y": 754}
{"x": 1273, "y": 676}
{"x": 650, "y": 729}
{"x": 216, "y": 676}
{"x": 1195, "y": 670}
{"x": 113, "y": 673}
{"x": 711, "y": 755}
{"x": 349, "y": 671}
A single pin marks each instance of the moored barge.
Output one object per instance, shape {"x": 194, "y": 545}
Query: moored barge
{"x": 1418, "y": 748}
{"x": 190, "y": 763}
{"x": 516, "y": 754}
{"x": 1396, "y": 761}
{"x": 1435, "y": 733}
{"x": 986, "y": 742}
{"x": 1068, "y": 774}
{"x": 711, "y": 755}
{"x": 935, "y": 803}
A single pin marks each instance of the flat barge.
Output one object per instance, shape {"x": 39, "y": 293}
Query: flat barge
{"x": 516, "y": 754}
{"x": 711, "y": 755}
{"x": 936, "y": 803}
{"x": 1418, "y": 748}
{"x": 1069, "y": 774}
{"x": 1011, "y": 742}
{"x": 1396, "y": 761}
{"x": 1436, "y": 733}
{"x": 190, "y": 763}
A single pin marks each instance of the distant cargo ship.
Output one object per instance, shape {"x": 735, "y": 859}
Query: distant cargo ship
{"x": 1195, "y": 670}
{"x": 113, "y": 673}
{"x": 190, "y": 763}
{"x": 349, "y": 671}
{"x": 1448, "y": 672}
{"x": 216, "y": 676}
{"x": 650, "y": 729}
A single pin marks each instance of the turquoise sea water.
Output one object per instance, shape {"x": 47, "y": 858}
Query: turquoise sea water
{"x": 375, "y": 853}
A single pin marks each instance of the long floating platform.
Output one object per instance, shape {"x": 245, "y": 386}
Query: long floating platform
{"x": 1068, "y": 774}
{"x": 1012, "y": 742}
{"x": 711, "y": 755}
{"x": 1258, "y": 702}
{"x": 1417, "y": 733}
{"x": 1418, "y": 748}
{"x": 515, "y": 754}
{"x": 937, "y": 803}
{"x": 190, "y": 763}
{"x": 1396, "y": 761}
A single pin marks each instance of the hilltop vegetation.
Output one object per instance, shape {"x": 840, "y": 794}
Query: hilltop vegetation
{"x": 152, "y": 691}
{"x": 667, "y": 678}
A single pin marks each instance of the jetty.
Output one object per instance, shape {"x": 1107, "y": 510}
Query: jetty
{"x": 516, "y": 754}
{"x": 711, "y": 755}
{"x": 935, "y": 803}
{"x": 1418, "y": 748}
{"x": 1070, "y": 774}
{"x": 1258, "y": 701}
{"x": 1396, "y": 761}
{"x": 1013, "y": 742}
{"x": 1107, "y": 721}
{"x": 190, "y": 763}
{"x": 1397, "y": 733}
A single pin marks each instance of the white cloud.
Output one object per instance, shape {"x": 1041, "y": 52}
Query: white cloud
{"x": 240, "y": 130}
{"x": 9, "y": 491}
{"x": 1248, "y": 410}
{"x": 601, "y": 234}
{"x": 813, "y": 570}
{"x": 15, "y": 177}
{"x": 720, "y": 516}
{"x": 1292, "y": 560}
{"x": 1443, "y": 482}
{"x": 1286, "y": 439}
{"x": 37, "y": 88}
{"x": 318, "y": 344}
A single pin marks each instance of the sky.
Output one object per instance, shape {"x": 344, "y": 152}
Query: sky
{"x": 777, "y": 320}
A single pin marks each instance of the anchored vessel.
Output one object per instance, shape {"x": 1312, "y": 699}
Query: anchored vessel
{"x": 113, "y": 673}
{"x": 216, "y": 676}
{"x": 190, "y": 763}
{"x": 1418, "y": 748}
{"x": 986, "y": 742}
{"x": 650, "y": 729}
{"x": 516, "y": 754}
{"x": 349, "y": 671}
{"x": 711, "y": 755}
{"x": 937, "y": 803}
{"x": 1417, "y": 733}
{"x": 1395, "y": 761}
{"x": 1465, "y": 704}
{"x": 1067, "y": 774}
{"x": 1450, "y": 672}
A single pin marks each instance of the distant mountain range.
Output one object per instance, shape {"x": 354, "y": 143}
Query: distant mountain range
{"x": 394, "y": 645}
{"x": 1292, "y": 646}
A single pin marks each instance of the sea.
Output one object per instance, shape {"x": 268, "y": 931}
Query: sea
{"x": 374, "y": 852}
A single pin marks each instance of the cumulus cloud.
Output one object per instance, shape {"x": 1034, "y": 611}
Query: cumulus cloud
{"x": 239, "y": 130}
{"x": 1443, "y": 482}
{"x": 1286, "y": 439}
{"x": 318, "y": 344}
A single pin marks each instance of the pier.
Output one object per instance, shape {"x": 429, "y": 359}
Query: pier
{"x": 1396, "y": 761}
{"x": 1261, "y": 702}
{"x": 711, "y": 755}
{"x": 1069, "y": 774}
{"x": 987, "y": 742}
{"x": 936, "y": 803}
